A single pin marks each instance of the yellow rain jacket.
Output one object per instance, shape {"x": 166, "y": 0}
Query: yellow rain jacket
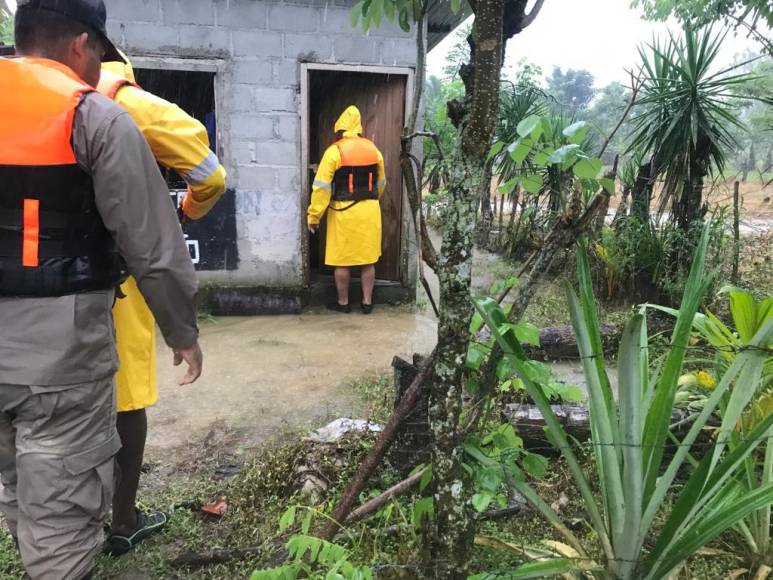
{"x": 180, "y": 142}
{"x": 354, "y": 234}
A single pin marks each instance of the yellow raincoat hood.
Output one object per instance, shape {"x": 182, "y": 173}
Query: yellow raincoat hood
{"x": 123, "y": 69}
{"x": 350, "y": 122}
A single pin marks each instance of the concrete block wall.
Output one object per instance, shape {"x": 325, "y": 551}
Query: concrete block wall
{"x": 258, "y": 46}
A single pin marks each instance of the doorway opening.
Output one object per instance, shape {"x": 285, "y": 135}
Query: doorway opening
{"x": 380, "y": 97}
{"x": 211, "y": 240}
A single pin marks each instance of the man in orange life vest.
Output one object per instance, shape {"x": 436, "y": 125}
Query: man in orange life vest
{"x": 81, "y": 203}
{"x": 349, "y": 183}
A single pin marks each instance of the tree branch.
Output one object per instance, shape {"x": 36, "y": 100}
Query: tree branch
{"x": 531, "y": 16}
{"x": 636, "y": 83}
{"x": 380, "y": 447}
{"x": 377, "y": 502}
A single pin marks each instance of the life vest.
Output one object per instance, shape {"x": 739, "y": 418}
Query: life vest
{"x": 110, "y": 83}
{"x": 53, "y": 241}
{"x": 357, "y": 178}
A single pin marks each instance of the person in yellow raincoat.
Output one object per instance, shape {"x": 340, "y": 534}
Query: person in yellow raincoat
{"x": 179, "y": 142}
{"x": 348, "y": 185}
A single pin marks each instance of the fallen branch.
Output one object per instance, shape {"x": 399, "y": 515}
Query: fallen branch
{"x": 377, "y": 503}
{"x": 379, "y": 449}
{"x": 212, "y": 557}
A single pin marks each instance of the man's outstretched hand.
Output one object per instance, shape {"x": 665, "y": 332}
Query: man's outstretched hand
{"x": 194, "y": 359}
{"x": 313, "y": 228}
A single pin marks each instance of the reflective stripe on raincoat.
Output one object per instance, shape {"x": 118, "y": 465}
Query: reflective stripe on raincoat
{"x": 354, "y": 234}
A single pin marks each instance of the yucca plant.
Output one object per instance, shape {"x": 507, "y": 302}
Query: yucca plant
{"x": 686, "y": 120}
{"x": 629, "y": 435}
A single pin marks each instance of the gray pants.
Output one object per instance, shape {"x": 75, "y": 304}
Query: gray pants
{"x": 56, "y": 467}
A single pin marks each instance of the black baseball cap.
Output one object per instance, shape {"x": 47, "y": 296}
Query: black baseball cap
{"x": 89, "y": 12}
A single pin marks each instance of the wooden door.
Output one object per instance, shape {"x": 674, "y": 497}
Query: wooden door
{"x": 381, "y": 100}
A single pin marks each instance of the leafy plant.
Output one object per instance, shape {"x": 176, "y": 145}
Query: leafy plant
{"x": 750, "y": 317}
{"x": 311, "y": 557}
{"x": 629, "y": 436}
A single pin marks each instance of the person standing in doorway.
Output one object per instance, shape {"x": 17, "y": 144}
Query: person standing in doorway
{"x": 82, "y": 203}
{"x": 348, "y": 185}
{"x": 179, "y": 142}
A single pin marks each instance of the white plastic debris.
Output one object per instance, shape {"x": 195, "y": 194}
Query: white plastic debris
{"x": 333, "y": 432}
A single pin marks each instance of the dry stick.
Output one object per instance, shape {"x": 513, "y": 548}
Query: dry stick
{"x": 376, "y": 454}
{"x": 736, "y": 232}
{"x": 377, "y": 502}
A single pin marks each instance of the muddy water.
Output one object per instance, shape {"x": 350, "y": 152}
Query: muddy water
{"x": 265, "y": 374}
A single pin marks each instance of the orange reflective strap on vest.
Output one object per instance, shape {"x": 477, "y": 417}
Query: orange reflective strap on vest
{"x": 39, "y": 101}
{"x": 31, "y": 238}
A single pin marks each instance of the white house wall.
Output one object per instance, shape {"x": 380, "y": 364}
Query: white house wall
{"x": 256, "y": 47}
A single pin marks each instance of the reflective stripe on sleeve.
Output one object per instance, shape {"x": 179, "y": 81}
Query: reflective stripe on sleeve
{"x": 202, "y": 171}
{"x": 322, "y": 185}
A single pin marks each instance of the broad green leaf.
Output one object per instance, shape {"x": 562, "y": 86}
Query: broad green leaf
{"x": 528, "y": 125}
{"x": 508, "y": 186}
{"x": 748, "y": 315}
{"x": 532, "y": 182}
{"x": 480, "y": 501}
{"x": 576, "y": 132}
{"x": 504, "y": 369}
{"x": 564, "y": 154}
{"x": 404, "y": 20}
{"x": 426, "y": 478}
{"x": 471, "y": 385}
{"x": 476, "y": 354}
{"x": 355, "y": 14}
{"x": 587, "y": 168}
{"x": 496, "y": 149}
{"x": 389, "y": 10}
{"x": 455, "y": 6}
{"x": 376, "y": 11}
{"x": 421, "y": 509}
{"x": 541, "y": 158}
{"x": 536, "y": 371}
{"x": 527, "y": 333}
{"x": 608, "y": 185}
{"x": 520, "y": 149}
{"x": 535, "y": 465}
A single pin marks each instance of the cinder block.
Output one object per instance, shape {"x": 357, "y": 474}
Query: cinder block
{"x": 286, "y": 73}
{"x": 242, "y": 14}
{"x": 289, "y": 180}
{"x": 273, "y": 99}
{"x": 243, "y": 152}
{"x": 277, "y": 153}
{"x": 253, "y": 127}
{"x": 239, "y": 97}
{"x": 293, "y": 18}
{"x": 256, "y": 178}
{"x": 337, "y": 20}
{"x": 308, "y": 47}
{"x": 400, "y": 52}
{"x": 136, "y": 10}
{"x": 288, "y": 128}
{"x": 205, "y": 38}
{"x": 355, "y": 49}
{"x": 144, "y": 38}
{"x": 187, "y": 12}
{"x": 257, "y": 43}
{"x": 254, "y": 72}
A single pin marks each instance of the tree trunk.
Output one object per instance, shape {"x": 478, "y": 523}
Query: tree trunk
{"x": 487, "y": 209}
{"x": 451, "y": 532}
{"x": 642, "y": 193}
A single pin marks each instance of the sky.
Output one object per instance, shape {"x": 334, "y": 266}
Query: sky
{"x": 600, "y": 36}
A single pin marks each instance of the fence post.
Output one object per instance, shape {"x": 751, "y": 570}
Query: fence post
{"x": 736, "y": 231}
